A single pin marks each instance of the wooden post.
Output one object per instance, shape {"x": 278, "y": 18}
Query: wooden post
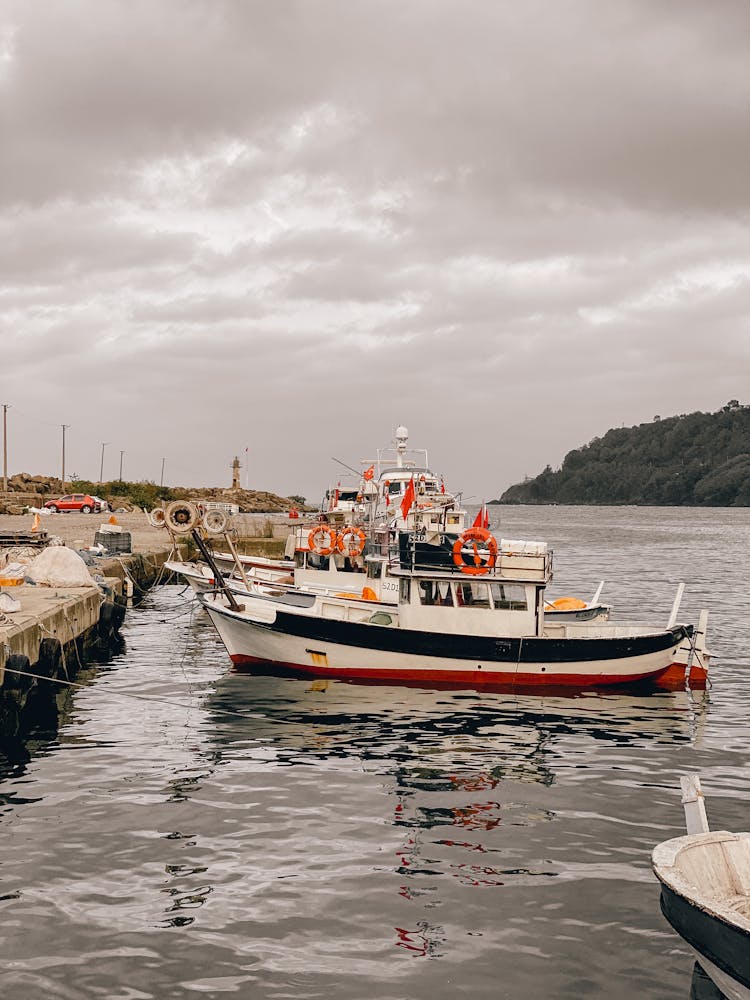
{"x": 62, "y": 474}
{"x": 676, "y": 606}
{"x": 218, "y": 577}
{"x": 5, "y": 447}
{"x": 693, "y": 804}
{"x": 236, "y": 558}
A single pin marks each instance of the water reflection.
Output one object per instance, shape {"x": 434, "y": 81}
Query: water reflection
{"x": 702, "y": 987}
{"x": 273, "y": 837}
{"x": 494, "y": 735}
{"x": 467, "y": 779}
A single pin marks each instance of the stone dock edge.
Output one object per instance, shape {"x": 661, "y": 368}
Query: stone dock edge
{"x": 56, "y": 633}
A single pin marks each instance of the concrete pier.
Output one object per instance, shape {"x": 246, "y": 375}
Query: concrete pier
{"x": 59, "y": 629}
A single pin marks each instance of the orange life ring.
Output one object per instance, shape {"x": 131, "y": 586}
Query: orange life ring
{"x": 481, "y": 563}
{"x": 321, "y": 546}
{"x": 351, "y": 541}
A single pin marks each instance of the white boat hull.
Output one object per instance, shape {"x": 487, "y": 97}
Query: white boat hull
{"x": 308, "y": 645}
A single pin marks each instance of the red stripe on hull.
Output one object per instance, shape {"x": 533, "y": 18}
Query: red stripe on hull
{"x": 456, "y": 678}
{"x": 673, "y": 678}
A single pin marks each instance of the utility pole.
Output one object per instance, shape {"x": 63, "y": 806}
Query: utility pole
{"x": 161, "y": 481}
{"x": 62, "y": 477}
{"x": 5, "y": 447}
{"x": 101, "y": 466}
{"x": 121, "y": 454}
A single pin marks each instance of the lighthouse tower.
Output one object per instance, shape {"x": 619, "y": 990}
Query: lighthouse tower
{"x": 236, "y": 473}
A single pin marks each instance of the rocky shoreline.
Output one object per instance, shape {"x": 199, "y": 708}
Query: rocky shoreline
{"x": 25, "y": 490}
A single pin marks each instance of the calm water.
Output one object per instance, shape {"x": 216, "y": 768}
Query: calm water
{"x": 196, "y": 833}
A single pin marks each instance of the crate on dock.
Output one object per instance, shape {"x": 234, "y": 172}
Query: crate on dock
{"x": 114, "y": 541}
{"x": 36, "y": 538}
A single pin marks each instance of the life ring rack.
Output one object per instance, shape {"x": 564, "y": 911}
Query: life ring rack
{"x": 484, "y": 557}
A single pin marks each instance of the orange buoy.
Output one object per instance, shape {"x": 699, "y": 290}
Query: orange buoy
{"x": 351, "y": 541}
{"x": 484, "y": 556}
{"x": 321, "y": 540}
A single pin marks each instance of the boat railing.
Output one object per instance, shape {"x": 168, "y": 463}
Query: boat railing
{"x": 444, "y": 557}
{"x": 598, "y": 630}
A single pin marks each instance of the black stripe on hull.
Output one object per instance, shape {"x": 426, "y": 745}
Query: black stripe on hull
{"x": 728, "y": 947}
{"x": 471, "y": 647}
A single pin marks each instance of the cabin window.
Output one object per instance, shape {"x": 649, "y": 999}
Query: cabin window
{"x": 404, "y": 591}
{"x": 434, "y": 593}
{"x": 509, "y": 596}
{"x": 472, "y": 595}
{"x": 314, "y": 561}
{"x": 394, "y": 487}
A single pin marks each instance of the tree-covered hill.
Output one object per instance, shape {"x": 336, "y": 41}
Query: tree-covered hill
{"x": 695, "y": 459}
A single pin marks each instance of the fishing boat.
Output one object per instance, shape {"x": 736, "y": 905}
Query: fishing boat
{"x": 391, "y": 487}
{"x": 705, "y": 894}
{"x": 469, "y": 611}
{"x": 201, "y": 577}
{"x": 348, "y": 562}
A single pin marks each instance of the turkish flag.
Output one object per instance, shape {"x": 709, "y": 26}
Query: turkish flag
{"x": 408, "y": 501}
{"x": 369, "y": 473}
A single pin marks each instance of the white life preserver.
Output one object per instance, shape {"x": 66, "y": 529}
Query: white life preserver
{"x": 156, "y": 517}
{"x": 182, "y": 517}
{"x": 215, "y": 521}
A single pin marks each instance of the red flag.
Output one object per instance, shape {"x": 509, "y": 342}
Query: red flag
{"x": 409, "y": 495}
{"x": 369, "y": 473}
{"x": 482, "y": 520}
{"x": 442, "y": 485}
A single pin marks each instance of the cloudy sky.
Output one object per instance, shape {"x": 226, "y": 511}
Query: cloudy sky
{"x": 291, "y": 225}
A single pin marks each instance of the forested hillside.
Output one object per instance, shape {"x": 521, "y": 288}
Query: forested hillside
{"x": 695, "y": 459}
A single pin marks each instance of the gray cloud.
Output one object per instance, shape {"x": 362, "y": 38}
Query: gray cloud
{"x": 291, "y": 226}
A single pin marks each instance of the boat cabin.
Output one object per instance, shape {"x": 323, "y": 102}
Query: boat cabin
{"x": 477, "y": 590}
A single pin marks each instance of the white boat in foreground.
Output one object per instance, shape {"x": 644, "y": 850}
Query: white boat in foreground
{"x": 473, "y": 616}
{"x": 705, "y": 894}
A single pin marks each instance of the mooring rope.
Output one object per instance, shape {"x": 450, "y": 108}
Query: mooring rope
{"x": 129, "y": 694}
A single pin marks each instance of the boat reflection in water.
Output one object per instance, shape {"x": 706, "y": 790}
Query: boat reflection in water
{"x": 471, "y": 779}
{"x": 509, "y": 735}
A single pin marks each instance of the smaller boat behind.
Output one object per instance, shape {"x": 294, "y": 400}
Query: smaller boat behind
{"x": 576, "y": 610}
{"x": 705, "y": 894}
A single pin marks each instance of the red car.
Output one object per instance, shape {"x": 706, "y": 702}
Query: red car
{"x": 74, "y": 501}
